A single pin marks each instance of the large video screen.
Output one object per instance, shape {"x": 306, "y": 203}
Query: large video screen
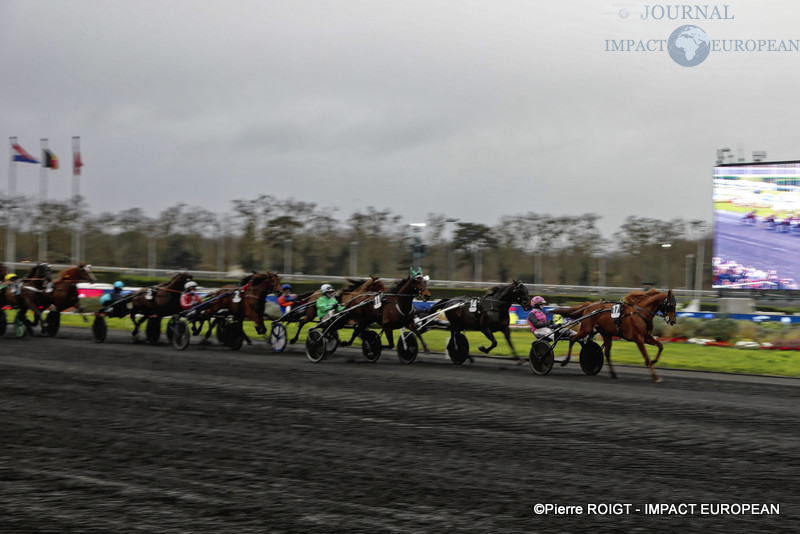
{"x": 757, "y": 225}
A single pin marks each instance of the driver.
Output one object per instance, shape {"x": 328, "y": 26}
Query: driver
{"x": 541, "y": 327}
{"x": 109, "y": 299}
{"x": 189, "y": 297}
{"x": 327, "y": 302}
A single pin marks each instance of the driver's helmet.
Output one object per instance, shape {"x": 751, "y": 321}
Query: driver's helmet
{"x": 118, "y": 284}
{"x": 286, "y": 287}
{"x": 537, "y": 300}
{"x": 9, "y": 277}
{"x": 191, "y": 284}
{"x": 327, "y": 289}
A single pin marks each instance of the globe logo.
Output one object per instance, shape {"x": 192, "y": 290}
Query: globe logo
{"x": 688, "y": 46}
{"x": 623, "y": 13}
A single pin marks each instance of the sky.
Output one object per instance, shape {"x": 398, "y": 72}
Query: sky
{"x": 469, "y": 108}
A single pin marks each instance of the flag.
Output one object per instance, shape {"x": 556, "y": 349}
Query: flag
{"x": 77, "y": 162}
{"x": 22, "y": 155}
{"x": 50, "y": 160}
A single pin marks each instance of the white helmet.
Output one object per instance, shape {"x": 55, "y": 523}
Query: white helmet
{"x": 326, "y": 288}
{"x": 190, "y": 284}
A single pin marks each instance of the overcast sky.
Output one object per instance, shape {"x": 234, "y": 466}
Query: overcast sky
{"x": 472, "y": 109}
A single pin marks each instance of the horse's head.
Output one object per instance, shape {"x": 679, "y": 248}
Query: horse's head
{"x": 521, "y": 296}
{"x": 80, "y": 273}
{"x": 421, "y": 285}
{"x": 179, "y": 280}
{"x": 375, "y": 285}
{"x": 266, "y": 282}
{"x": 667, "y": 308}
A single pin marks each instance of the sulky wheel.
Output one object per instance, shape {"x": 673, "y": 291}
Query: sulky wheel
{"x": 331, "y": 342}
{"x": 235, "y": 335}
{"x": 371, "y": 345}
{"x": 277, "y": 337}
{"x": 458, "y": 348}
{"x": 182, "y": 333}
{"x": 153, "y": 330}
{"x": 222, "y": 332}
{"x": 3, "y": 319}
{"x": 541, "y": 357}
{"x": 315, "y": 346}
{"x": 99, "y": 328}
{"x": 171, "y": 329}
{"x": 591, "y": 358}
{"x": 52, "y": 323}
{"x": 20, "y": 328}
{"x": 407, "y": 347}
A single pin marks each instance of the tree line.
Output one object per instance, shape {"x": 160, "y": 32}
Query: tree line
{"x": 279, "y": 234}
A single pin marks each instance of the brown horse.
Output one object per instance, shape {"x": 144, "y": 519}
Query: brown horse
{"x": 396, "y": 309}
{"x": 305, "y": 306}
{"x": 634, "y": 324}
{"x": 63, "y": 293}
{"x": 490, "y": 312}
{"x": 27, "y": 293}
{"x": 158, "y": 301}
{"x": 242, "y": 302}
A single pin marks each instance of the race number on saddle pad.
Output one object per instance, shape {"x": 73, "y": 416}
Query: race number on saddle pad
{"x": 377, "y": 302}
{"x": 473, "y": 305}
{"x": 616, "y": 310}
{"x": 237, "y": 296}
{"x": 149, "y": 294}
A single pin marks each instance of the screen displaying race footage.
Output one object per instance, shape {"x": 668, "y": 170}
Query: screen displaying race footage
{"x": 757, "y": 226}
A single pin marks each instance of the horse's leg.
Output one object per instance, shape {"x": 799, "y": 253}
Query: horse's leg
{"x": 643, "y": 350}
{"x": 507, "y": 333}
{"x": 357, "y": 329}
{"x": 389, "y": 337}
{"x": 651, "y": 340}
{"x": 413, "y": 327}
{"x": 607, "y": 350}
{"x": 490, "y": 336}
{"x": 211, "y": 324}
{"x": 300, "y": 325}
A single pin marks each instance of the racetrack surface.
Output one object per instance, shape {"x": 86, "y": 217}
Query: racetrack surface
{"x": 118, "y": 437}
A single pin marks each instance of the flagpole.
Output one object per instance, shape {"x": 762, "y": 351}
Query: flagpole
{"x": 11, "y": 237}
{"x": 76, "y": 192}
{"x": 42, "y": 200}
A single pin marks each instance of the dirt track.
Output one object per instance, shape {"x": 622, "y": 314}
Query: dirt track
{"x": 118, "y": 437}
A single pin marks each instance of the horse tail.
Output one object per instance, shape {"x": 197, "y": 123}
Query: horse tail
{"x": 571, "y": 313}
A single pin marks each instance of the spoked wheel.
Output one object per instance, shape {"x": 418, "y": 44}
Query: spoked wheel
{"x": 171, "y": 329}
{"x": 458, "y": 348}
{"x": 51, "y": 324}
{"x": 407, "y": 347}
{"x": 331, "y": 342}
{"x": 153, "y": 330}
{"x": 182, "y": 333}
{"x": 99, "y": 328}
{"x": 3, "y": 325}
{"x": 315, "y": 346}
{"x": 371, "y": 345}
{"x": 591, "y": 358}
{"x": 541, "y": 357}
{"x": 278, "y": 337}
{"x": 20, "y": 328}
{"x": 235, "y": 334}
{"x": 222, "y": 330}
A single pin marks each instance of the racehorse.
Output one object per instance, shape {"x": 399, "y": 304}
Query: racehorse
{"x": 27, "y": 293}
{"x": 64, "y": 291}
{"x": 158, "y": 301}
{"x": 245, "y": 302}
{"x": 635, "y": 323}
{"x": 488, "y": 314}
{"x": 396, "y": 309}
{"x": 306, "y": 303}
